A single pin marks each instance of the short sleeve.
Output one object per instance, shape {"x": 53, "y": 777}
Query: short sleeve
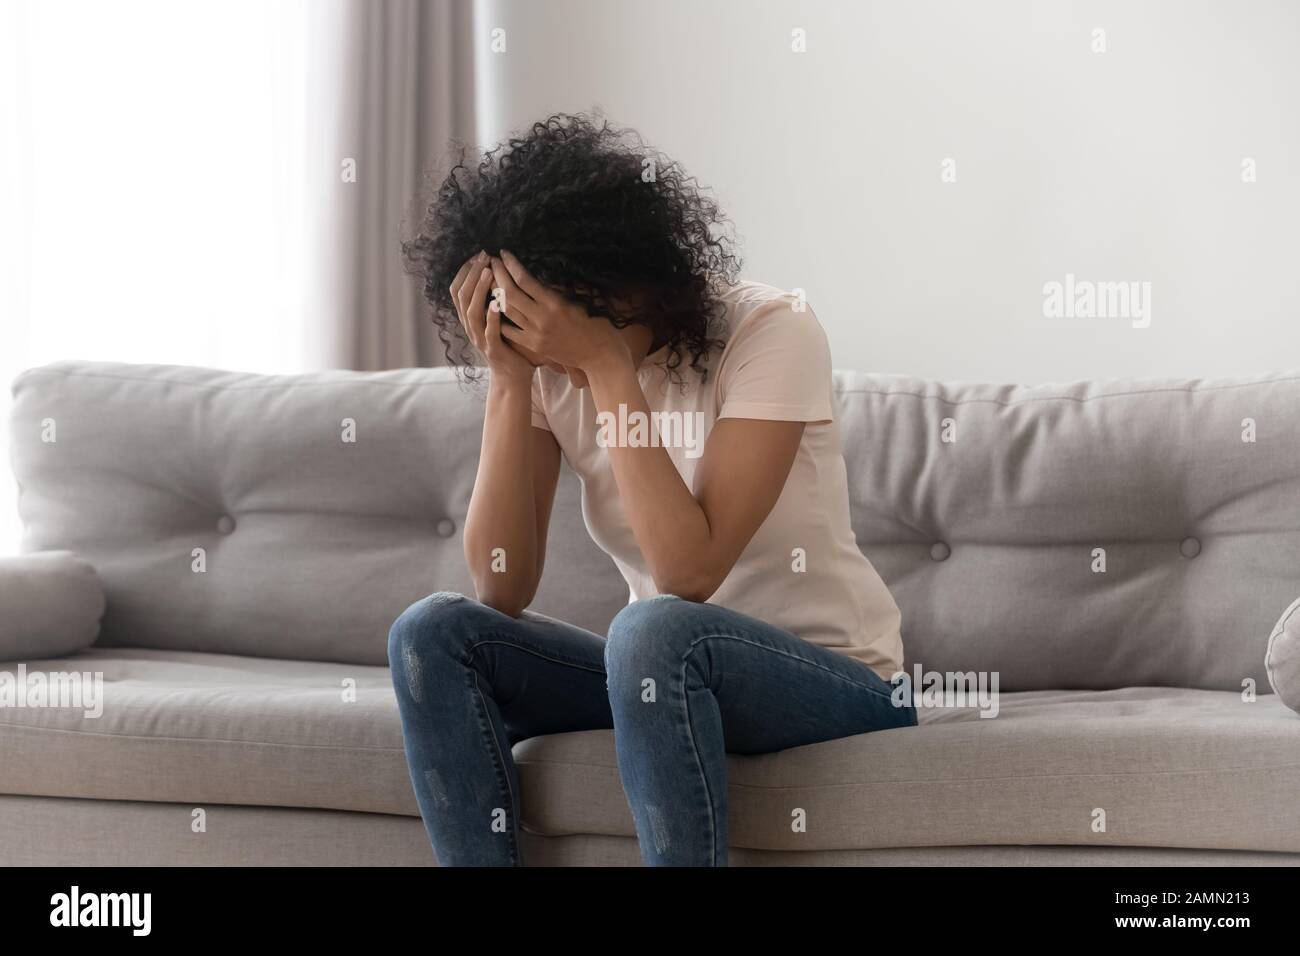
{"x": 777, "y": 367}
{"x": 539, "y": 404}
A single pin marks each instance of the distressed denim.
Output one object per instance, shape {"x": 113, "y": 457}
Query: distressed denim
{"x": 681, "y": 684}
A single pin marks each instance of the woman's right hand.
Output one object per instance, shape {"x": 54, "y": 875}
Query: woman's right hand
{"x": 471, "y": 291}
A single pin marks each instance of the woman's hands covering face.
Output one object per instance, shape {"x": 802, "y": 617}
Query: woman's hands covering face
{"x": 548, "y": 325}
{"x": 471, "y": 291}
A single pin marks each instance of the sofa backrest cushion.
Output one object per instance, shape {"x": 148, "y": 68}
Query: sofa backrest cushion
{"x": 1071, "y": 536}
{"x": 1090, "y": 535}
{"x": 273, "y": 516}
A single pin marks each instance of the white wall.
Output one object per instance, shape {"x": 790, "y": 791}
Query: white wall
{"x": 1117, "y": 166}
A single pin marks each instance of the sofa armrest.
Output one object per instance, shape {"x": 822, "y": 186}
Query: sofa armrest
{"x": 1282, "y": 659}
{"x": 51, "y": 603}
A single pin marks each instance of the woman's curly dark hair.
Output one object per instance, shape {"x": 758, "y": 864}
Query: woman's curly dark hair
{"x": 590, "y": 211}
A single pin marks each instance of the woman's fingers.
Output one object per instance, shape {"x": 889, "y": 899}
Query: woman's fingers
{"x": 475, "y": 316}
{"x": 523, "y": 278}
{"x": 467, "y": 283}
{"x": 462, "y": 289}
{"x": 457, "y": 289}
{"x": 511, "y": 289}
{"x": 500, "y": 335}
{"x": 459, "y": 280}
{"x": 517, "y": 302}
{"x": 521, "y": 335}
{"x": 493, "y": 329}
{"x": 478, "y": 301}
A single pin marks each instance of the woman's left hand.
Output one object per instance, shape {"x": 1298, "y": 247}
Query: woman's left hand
{"x": 549, "y": 324}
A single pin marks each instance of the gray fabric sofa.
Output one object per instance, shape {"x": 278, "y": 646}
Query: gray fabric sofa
{"x": 1116, "y": 553}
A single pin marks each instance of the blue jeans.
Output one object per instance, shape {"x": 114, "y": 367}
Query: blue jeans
{"x": 681, "y": 684}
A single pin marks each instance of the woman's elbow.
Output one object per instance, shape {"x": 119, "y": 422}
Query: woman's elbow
{"x": 508, "y": 601}
{"x": 697, "y": 587}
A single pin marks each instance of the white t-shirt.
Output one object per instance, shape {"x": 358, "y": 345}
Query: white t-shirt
{"x": 802, "y": 571}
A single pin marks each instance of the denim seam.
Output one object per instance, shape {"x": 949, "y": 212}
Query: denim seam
{"x": 793, "y": 657}
{"x": 695, "y": 752}
{"x": 529, "y": 649}
{"x": 485, "y": 721}
{"x": 467, "y": 661}
{"x": 690, "y": 728}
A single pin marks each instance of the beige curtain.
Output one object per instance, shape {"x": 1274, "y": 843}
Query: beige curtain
{"x": 390, "y": 85}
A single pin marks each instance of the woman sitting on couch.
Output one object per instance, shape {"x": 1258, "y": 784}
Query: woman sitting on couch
{"x": 594, "y": 279}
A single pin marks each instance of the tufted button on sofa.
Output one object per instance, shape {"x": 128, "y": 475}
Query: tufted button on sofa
{"x": 1114, "y": 554}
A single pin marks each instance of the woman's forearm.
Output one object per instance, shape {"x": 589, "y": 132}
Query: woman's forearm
{"x": 670, "y": 526}
{"x": 501, "y": 528}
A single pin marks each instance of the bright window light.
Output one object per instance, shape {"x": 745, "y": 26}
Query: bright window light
{"x": 150, "y": 190}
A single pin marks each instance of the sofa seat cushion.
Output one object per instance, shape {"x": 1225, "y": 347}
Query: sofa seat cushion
{"x": 1167, "y": 767}
{"x": 187, "y": 727}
